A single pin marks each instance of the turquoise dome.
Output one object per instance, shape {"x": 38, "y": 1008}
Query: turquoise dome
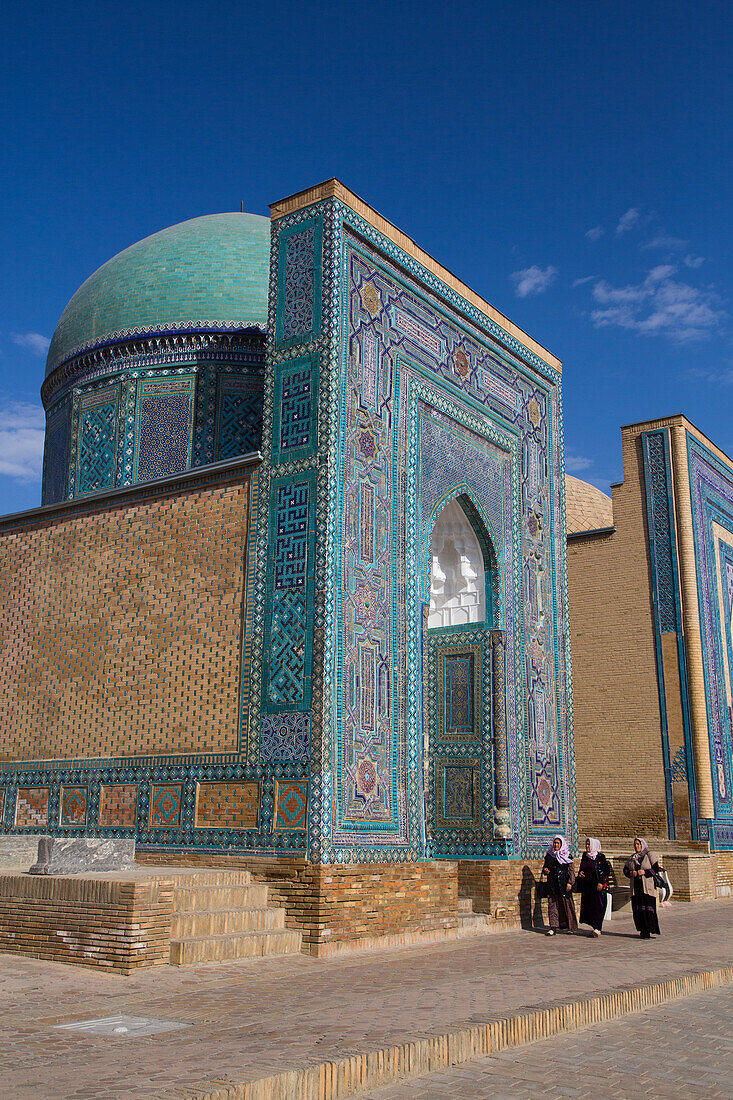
{"x": 209, "y": 270}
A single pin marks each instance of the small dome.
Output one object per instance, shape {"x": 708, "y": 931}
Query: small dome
{"x": 586, "y": 508}
{"x": 213, "y": 269}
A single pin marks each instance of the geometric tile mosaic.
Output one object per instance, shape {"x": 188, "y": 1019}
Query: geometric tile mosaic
{"x": 239, "y": 419}
{"x": 227, "y": 805}
{"x": 97, "y": 456}
{"x": 31, "y": 807}
{"x": 164, "y": 425}
{"x": 285, "y": 737}
{"x": 458, "y": 782}
{"x": 291, "y": 803}
{"x": 166, "y": 804}
{"x": 118, "y": 806}
{"x": 74, "y": 806}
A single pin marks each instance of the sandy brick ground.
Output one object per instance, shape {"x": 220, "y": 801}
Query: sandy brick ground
{"x": 251, "y": 1019}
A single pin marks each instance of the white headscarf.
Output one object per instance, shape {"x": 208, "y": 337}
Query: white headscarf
{"x": 638, "y": 857}
{"x": 562, "y": 855}
{"x": 595, "y": 847}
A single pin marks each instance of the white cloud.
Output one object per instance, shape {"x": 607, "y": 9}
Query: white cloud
{"x": 584, "y": 280}
{"x": 660, "y": 305}
{"x": 575, "y": 463}
{"x": 21, "y": 440}
{"x": 32, "y": 341}
{"x": 671, "y": 244}
{"x": 629, "y": 220}
{"x": 533, "y": 280}
{"x": 694, "y": 261}
{"x": 595, "y": 233}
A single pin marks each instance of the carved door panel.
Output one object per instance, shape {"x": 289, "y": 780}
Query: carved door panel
{"x": 457, "y": 724}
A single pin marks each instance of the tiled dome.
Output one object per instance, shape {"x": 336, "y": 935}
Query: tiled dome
{"x": 212, "y": 269}
{"x": 587, "y": 508}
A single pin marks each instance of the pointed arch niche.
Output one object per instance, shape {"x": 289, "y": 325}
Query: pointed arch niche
{"x": 463, "y": 576}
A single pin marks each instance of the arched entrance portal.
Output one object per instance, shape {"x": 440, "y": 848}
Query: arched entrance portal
{"x": 465, "y": 725}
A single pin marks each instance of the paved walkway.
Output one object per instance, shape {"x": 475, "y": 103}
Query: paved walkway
{"x": 679, "y": 1051}
{"x": 259, "y": 1017}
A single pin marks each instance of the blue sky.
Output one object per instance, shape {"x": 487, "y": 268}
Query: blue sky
{"x": 571, "y": 162}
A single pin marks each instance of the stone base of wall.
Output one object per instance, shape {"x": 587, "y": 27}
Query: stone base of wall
{"x": 112, "y": 923}
{"x": 339, "y": 906}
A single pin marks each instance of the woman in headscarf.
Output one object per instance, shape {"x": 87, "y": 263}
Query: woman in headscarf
{"x": 594, "y": 876}
{"x": 558, "y": 874}
{"x": 640, "y": 868}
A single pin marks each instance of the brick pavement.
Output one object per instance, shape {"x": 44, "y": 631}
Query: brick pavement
{"x": 678, "y": 1051}
{"x": 254, "y": 1018}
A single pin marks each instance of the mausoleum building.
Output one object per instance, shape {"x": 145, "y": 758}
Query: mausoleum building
{"x": 297, "y": 590}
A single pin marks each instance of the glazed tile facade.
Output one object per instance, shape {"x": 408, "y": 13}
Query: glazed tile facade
{"x": 288, "y": 696}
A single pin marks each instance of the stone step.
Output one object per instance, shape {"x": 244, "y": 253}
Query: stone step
{"x": 224, "y": 922}
{"x": 190, "y": 899}
{"x": 239, "y": 945}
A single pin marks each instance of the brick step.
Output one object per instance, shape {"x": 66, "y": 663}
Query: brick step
{"x": 224, "y": 922}
{"x": 239, "y": 945}
{"x": 191, "y": 876}
{"x": 191, "y": 899}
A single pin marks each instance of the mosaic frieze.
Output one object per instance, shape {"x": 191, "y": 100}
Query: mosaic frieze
{"x": 300, "y": 283}
{"x": 74, "y": 806}
{"x": 56, "y": 453}
{"x": 399, "y": 346}
{"x": 164, "y": 428}
{"x": 285, "y": 737}
{"x": 238, "y": 418}
{"x": 291, "y": 804}
{"x": 97, "y": 456}
{"x": 711, "y": 489}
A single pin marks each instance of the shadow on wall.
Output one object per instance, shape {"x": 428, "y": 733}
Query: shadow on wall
{"x": 530, "y": 901}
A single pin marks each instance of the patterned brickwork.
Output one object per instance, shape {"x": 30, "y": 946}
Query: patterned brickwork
{"x": 2, "y": 806}
{"x": 227, "y": 805}
{"x": 31, "y": 807}
{"x": 291, "y": 803}
{"x": 74, "y": 806}
{"x": 118, "y": 806}
{"x": 124, "y": 652}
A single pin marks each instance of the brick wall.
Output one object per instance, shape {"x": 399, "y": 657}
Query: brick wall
{"x": 120, "y": 628}
{"x": 723, "y": 874}
{"x": 505, "y": 889}
{"x": 93, "y": 922}
{"x": 336, "y": 904}
{"x": 616, "y": 718}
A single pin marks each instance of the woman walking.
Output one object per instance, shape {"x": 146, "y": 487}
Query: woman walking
{"x": 558, "y": 874}
{"x": 640, "y": 868}
{"x": 594, "y": 878}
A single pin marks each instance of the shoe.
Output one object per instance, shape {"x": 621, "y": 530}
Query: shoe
{"x": 550, "y": 932}
{"x": 596, "y": 932}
